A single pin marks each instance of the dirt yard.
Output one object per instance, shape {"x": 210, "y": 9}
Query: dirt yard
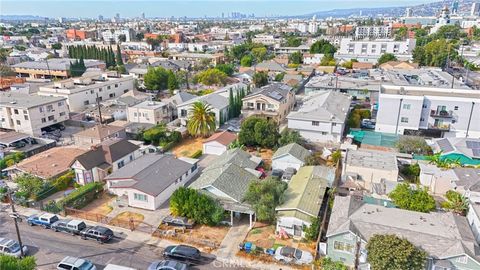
{"x": 263, "y": 235}
{"x": 101, "y": 205}
{"x": 265, "y": 154}
{"x": 127, "y": 220}
{"x": 188, "y": 146}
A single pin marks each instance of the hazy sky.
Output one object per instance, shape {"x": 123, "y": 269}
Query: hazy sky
{"x": 190, "y": 8}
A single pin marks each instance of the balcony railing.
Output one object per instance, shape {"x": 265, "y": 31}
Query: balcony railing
{"x": 445, "y": 127}
{"x": 441, "y": 114}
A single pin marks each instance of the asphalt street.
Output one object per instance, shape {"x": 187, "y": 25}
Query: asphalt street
{"x": 51, "y": 247}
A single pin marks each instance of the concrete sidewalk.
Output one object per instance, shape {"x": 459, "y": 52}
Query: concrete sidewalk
{"x": 226, "y": 253}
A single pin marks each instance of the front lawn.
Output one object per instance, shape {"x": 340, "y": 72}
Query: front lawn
{"x": 186, "y": 147}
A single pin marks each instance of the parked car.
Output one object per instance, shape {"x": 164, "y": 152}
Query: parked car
{"x": 45, "y": 220}
{"x": 167, "y": 265}
{"x": 178, "y": 221}
{"x": 288, "y": 174}
{"x": 73, "y": 263}
{"x": 11, "y": 247}
{"x": 99, "y": 233}
{"x": 72, "y": 226}
{"x": 182, "y": 253}
{"x": 288, "y": 254}
{"x": 368, "y": 124}
{"x": 277, "y": 173}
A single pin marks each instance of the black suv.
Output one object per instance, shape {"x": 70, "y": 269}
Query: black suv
{"x": 72, "y": 226}
{"x": 99, "y": 233}
{"x": 183, "y": 253}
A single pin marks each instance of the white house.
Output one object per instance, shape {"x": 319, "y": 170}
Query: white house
{"x": 322, "y": 117}
{"x": 291, "y": 155}
{"x": 150, "y": 180}
{"x": 217, "y": 144}
{"x": 217, "y": 102}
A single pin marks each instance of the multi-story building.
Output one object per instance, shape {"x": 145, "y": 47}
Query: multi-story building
{"x": 83, "y": 91}
{"x": 30, "y": 113}
{"x": 51, "y": 68}
{"x": 151, "y": 112}
{"x": 273, "y": 101}
{"x": 74, "y": 34}
{"x": 267, "y": 39}
{"x": 110, "y": 36}
{"x": 371, "y": 50}
{"x": 374, "y": 31}
{"x": 439, "y": 111}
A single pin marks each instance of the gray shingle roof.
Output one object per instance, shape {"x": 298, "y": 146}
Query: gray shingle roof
{"x": 214, "y": 100}
{"x": 153, "y": 173}
{"x": 326, "y": 106}
{"x": 293, "y": 149}
{"x": 229, "y": 173}
{"x": 277, "y": 91}
{"x": 107, "y": 152}
{"x": 440, "y": 234}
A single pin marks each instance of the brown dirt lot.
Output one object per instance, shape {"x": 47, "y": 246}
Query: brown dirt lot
{"x": 202, "y": 236}
{"x": 101, "y": 205}
{"x": 124, "y": 220}
{"x": 188, "y": 146}
{"x": 264, "y": 153}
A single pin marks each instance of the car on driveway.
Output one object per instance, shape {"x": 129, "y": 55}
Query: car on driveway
{"x": 73, "y": 263}
{"x": 71, "y": 226}
{"x": 167, "y": 265}
{"x": 11, "y": 248}
{"x": 99, "y": 233}
{"x": 184, "y": 253}
{"x": 45, "y": 220}
{"x": 178, "y": 221}
{"x": 288, "y": 254}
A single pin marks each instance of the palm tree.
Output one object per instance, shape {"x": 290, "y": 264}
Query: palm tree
{"x": 202, "y": 120}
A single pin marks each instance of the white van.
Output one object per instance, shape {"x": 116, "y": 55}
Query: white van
{"x": 117, "y": 267}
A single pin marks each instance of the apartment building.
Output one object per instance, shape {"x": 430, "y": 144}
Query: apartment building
{"x": 151, "y": 112}
{"x": 51, "y": 68}
{"x": 371, "y": 50}
{"x": 373, "y": 31}
{"x": 30, "y": 113}
{"x": 74, "y": 34}
{"x": 267, "y": 39}
{"x": 114, "y": 36}
{"x": 443, "y": 112}
{"x": 83, "y": 91}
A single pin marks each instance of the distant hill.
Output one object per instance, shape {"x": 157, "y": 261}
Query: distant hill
{"x": 21, "y": 18}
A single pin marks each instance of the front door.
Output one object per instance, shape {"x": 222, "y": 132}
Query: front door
{"x": 297, "y": 230}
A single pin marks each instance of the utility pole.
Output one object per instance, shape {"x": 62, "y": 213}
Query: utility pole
{"x": 15, "y": 217}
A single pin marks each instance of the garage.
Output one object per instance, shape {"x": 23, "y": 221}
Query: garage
{"x": 218, "y": 143}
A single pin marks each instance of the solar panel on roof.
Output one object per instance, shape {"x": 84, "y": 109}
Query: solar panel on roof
{"x": 473, "y": 144}
{"x": 275, "y": 95}
{"x": 445, "y": 145}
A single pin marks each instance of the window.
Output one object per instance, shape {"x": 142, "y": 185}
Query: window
{"x": 15, "y": 111}
{"x": 404, "y": 120}
{"x": 135, "y": 114}
{"x": 455, "y": 108}
{"x": 44, "y": 120}
{"x": 109, "y": 87}
{"x": 25, "y": 112}
{"x": 64, "y": 266}
{"x": 462, "y": 259}
{"x": 140, "y": 197}
{"x": 116, "y": 85}
{"x": 86, "y": 102}
{"x": 334, "y": 124}
{"x": 50, "y": 118}
{"x": 315, "y": 123}
{"x": 100, "y": 89}
{"x": 18, "y": 122}
{"x": 183, "y": 113}
{"x": 121, "y": 164}
{"x": 112, "y": 95}
{"x": 406, "y": 106}
{"x": 324, "y": 133}
{"x": 60, "y": 103}
{"x": 49, "y": 108}
{"x": 91, "y": 91}
{"x": 342, "y": 246}
{"x": 26, "y": 117}
{"x": 62, "y": 113}
{"x": 40, "y": 109}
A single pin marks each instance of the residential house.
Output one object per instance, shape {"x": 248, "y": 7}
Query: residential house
{"x": 102, "y": 159}
{"x": 464, "y": 150}
{"x": 441, "y": 112}
{"x": 29, "y": 113}
{"x": 291, "y": 155}
{"x": 150, "y": 180}
{"x": 151, "y": 112}
{"x": 176, "y": 99}
{"x": 439, "y": 180}
{"x": 444, "y": 236}
{"x": 304, "y": 199}
{"x": 273, "y": 101}
{"x": 271, "y": 67}
{"x": 98, "y": 134}
{"x": 391, "y": 65}
{"x": 374, "y": 171}
{"x": 322, "y": 117}
{"x": 227, "y": 179}
{"x": 49, "y": 164}
{"x": 218, "y": 143}
{"x": 473, "y": 217}
{"x": 217, "y": 102}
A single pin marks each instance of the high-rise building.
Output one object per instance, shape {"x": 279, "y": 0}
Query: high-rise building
{"x": 143, "y": 15}
{"x": 408, "y": 12}
{"x": 475, "y": 9}
{"x": 100, "y": 17}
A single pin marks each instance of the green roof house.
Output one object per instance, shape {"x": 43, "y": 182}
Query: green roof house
{"x": 304, "y": 199}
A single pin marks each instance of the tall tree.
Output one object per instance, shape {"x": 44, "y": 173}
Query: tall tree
{"x": 264, "y": 195}
{"x": 172, "y": 81}
{"x": 389, "y": 252}
{"x": 201, "y": 121}
{"x": 119, "y": 56}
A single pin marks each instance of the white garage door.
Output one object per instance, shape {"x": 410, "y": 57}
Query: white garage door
{"x": 214, "y": 149}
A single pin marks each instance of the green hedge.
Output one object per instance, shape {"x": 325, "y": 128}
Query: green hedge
{"x": 197, "y": 154}
{"x": 53, "y": 186}
{"x": 81, "y": 196}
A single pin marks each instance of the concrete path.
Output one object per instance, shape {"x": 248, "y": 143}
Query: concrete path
{"x": 235, "y": 236}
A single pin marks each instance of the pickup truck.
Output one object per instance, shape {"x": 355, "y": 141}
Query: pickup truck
{"x": 71, "y": 226}
{"x": 45, "y": 220}
{"x": 99, "y": 233}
